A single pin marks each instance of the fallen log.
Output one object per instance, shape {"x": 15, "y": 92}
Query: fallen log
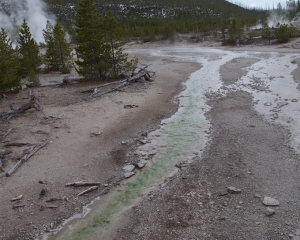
{"x": 87, "y": 191}
{"x": 31, "y": 151}
{"x": 147, "y": 75}
{"x": 33, "y": 103}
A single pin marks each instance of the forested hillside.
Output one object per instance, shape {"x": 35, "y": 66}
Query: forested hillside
{"x": 149, "y": 18}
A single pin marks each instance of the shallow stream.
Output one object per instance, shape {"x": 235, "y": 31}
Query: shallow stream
{"x": 183, "y": 136}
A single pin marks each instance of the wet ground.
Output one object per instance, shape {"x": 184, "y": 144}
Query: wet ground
{"x": 237, "y": 126}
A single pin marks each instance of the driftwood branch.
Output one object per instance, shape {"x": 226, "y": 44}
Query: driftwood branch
{"x": 87, "y": 190}
{"x": 33, "y": 103}
{"x": 31, "y": 151}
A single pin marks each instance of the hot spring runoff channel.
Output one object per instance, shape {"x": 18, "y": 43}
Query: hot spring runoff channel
{"x": 184, "y": 135}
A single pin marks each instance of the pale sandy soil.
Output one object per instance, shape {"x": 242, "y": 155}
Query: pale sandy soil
{"x": 74, "y": 155}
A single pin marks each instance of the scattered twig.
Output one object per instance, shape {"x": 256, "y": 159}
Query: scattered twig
{"x": 32, "y": 151}
{"x": 50, "y": 206}
{"x": 82, "y": 184}
{"x": 18, "y": 144}
{"x": 54, "y": 199}
{"x": 17, "y": 198}
{"x": 95, "y": 134}
{"x": 58, "y": 116}
{"x": 8, "y": 131}
{"x": 87, "y": 191}
{"x": 18, "y": 206}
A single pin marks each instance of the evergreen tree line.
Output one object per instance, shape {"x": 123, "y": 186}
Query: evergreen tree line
{"x": 99, "y": 52}
{"x": 151, "y": 20}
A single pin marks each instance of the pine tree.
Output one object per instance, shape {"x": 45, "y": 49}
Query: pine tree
{"x": 28, "y": 49}
{"x": 49, "y": 57}
{"x": 62, "y": 48}
{"x": 120, "y": 62}
{"x": 58, "y": 53}
{"x": 93, "y": 53}
{"x": 9, "y": 78}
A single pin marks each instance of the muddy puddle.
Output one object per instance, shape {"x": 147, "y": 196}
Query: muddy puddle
{"x": 183, "y": 137}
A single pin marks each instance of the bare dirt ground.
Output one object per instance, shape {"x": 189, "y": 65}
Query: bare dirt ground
{"x": 194, "y": 204}
{"x": 74, "y": 153}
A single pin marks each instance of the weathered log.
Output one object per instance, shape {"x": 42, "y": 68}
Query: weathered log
{"x": 87, "y": 191}
{"x": 82, "y": 184}
{"x": 31, "y": 151}
{"x": 148, "y": 76}
{"x": 33, "y": 103}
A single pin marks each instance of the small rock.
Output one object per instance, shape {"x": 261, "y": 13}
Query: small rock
{"x": 141, "y": 163}
{"x": 291, "y": 235}
{"x": 223, "y": 193}
{"x": 238, "y": 207}
{"x": 268, "y": 201}
{"x": 234, "y": 190}
{"x": 128, "y": 168}
{"x": 43, "y": 192}
{"x": 269, "y": 212}
{"x": 42, "y": 181}
{"x": 128, "y": 175}
{"x": 257, "y": 195}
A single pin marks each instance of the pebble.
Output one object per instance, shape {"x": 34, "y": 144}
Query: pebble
{"x": 257, "y": 195}
{"x": 128, "y": 168}
{"x": 268, "y": 201}
{"x": 223, "y": 193}
{"x": 142, "y": 163}
{"x": 269, "y": 212}
{"x": 234, "y": 190}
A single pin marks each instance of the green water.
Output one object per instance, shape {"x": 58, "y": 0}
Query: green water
{"x": 179, "y": 140}
{"x": 180, "y": 137}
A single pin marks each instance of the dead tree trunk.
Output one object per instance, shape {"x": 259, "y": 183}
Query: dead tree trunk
{"x": 33, "y": 103}
{"x": 31, "y": 151}
{"x": 143, "y": 73}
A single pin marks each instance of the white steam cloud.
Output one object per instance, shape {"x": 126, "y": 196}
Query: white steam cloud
{"x": 13, "y": 12}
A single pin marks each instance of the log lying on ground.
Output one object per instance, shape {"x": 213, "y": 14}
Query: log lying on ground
{"x": 33, "y": 103}
{"x": 31, "y": 151}
{"x": 143, "y": 73}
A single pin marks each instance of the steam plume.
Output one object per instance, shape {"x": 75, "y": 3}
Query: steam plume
{"x": 13, "y": 12}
